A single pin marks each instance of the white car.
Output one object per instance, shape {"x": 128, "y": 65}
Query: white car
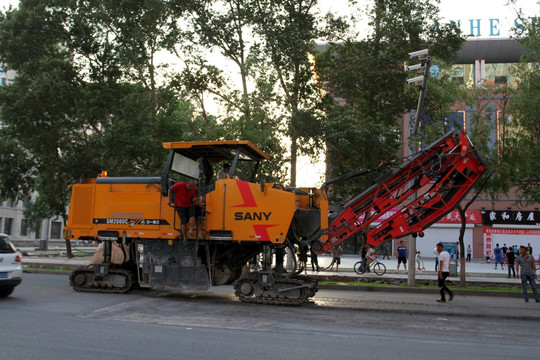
{"x": 10, "y": 266}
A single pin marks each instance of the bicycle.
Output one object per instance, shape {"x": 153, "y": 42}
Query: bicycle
{"x": 378, "y": 267}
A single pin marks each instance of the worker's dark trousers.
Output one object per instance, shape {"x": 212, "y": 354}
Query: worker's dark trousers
{"x": 442, "y": 286}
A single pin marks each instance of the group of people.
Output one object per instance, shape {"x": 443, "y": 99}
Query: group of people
{"x": 506, "y": 254}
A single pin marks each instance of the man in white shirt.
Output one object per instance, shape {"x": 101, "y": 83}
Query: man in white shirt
{"x": 222, "y": 174}
{"x": 444, "y": 271}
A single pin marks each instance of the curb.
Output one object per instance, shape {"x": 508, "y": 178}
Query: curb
{"x": 389, "y": 289}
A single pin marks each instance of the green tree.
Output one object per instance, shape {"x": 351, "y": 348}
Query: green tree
{"x": 268, "y": 44}
{"x": 368, "y": 74}
{"x": 288, "y": 30}
{"x": 521, "y": 133}
{"x": 86, "y": 96}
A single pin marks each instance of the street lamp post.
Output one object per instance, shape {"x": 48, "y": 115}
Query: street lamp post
{"x": 425, "y": 64}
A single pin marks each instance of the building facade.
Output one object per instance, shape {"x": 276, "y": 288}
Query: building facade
{"x": 485, "y": 62}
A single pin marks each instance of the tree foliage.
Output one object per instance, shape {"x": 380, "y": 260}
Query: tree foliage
{"x": 86, "y": 95}
{"x": 522, "y": 131}
{"x": 268, "y": 43}
{"x": 369, "y": 76}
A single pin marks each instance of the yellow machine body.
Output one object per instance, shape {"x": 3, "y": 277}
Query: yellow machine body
{"x": 231, "y": 209}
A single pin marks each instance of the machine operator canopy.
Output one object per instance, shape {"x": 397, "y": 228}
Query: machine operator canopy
{"x": 216, "y": 151}
{"x": 195, "y": 159}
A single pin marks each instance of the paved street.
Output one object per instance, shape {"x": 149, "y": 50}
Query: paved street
{"x": 45, "y": 318}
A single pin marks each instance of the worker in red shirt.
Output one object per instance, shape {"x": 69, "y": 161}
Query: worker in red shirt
{"x": 184, "y": 201}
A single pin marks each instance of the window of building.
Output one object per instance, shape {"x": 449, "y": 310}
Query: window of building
{"x": 8, "y": 225}
{"x": 458, "y": 79}
{"x": 24, "y": 227}
{"x": 501, "y": 80}
{"x": 455, "y": 120}
{"x": 56, "y": 229}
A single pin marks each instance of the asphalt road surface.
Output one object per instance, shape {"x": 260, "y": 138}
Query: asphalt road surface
{"x": 46, "y": 319}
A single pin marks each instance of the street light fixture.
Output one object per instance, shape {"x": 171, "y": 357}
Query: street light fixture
{"x": 418, "y": 53}
{"x": 415, "y": 79}
{"x": 413, "y": 67}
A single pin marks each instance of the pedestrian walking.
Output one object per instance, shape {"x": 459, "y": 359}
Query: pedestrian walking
{"x": 419, "y": 260}
{"x": 436, "y": 253}
{"x": 402, "y": 255}
{"x": 529, "y": 249}
{"x": 498, "y": 256}
{"x": 511, "y": 258}
{"x": 528, "y": 272}
{"x": 469, "y": 253}
{"x": 444, "y": 271}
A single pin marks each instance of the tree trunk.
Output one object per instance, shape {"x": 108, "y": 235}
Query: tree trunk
{"x": 68, "y": 242}
{"x": 294, "y": 150}
{"x": 462, "y": 275}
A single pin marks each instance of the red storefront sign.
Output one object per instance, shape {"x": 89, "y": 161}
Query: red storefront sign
{"x": 500, "y": 231}
{"x": 472, "y": 217}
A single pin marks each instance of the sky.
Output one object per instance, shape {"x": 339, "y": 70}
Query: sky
{"x": 481, "y": 18}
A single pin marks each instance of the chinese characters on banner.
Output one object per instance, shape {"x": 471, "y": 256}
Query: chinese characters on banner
{"x": 511, "y": 217}
{"x": 488, "y": 244}
{"x": 471, "y": 216}
{"x": 489, "y": 232}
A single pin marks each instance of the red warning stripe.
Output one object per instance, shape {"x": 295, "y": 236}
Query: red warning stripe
{"x": 247, "y": 195}
{"x": 262, "y": 232}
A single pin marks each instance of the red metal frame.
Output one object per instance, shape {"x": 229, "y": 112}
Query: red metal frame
{"x": 427, "y": 188}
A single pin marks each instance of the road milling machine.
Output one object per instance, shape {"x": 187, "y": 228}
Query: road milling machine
{"x": 244, "y": 225}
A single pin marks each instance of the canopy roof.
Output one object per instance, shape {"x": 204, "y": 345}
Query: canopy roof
{"x": 216, "y": 151}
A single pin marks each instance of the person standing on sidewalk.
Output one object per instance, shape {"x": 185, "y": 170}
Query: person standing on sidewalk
{"x": 386, "y": 251}
{"x": 528, "y": 272}
{"x": 498, "y": 256}
{"x": 511, "y": 259}
{"x": 336, "y": 254}
{"x": 314, "y": 260}
{"x": 402, "y": 255}
{"x": 469, "y": 253}
{"x": 444, "y": 271}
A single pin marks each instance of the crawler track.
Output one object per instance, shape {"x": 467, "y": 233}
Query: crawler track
{"x": 284, "y": 291}
{"x": 116, "y": 281}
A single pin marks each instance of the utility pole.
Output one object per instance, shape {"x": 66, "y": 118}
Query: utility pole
{"x": 425, "y": 64}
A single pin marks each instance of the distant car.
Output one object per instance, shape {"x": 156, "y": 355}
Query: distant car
{"x": 10, "y": 266}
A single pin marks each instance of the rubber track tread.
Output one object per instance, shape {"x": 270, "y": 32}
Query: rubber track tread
{"x": 89, "y": 271}
{"x": 270, "y": 300}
